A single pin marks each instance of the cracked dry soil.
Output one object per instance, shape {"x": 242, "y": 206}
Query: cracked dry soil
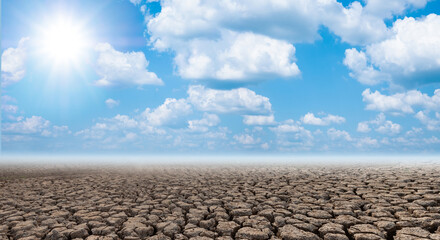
{"x": 305, "y": 203}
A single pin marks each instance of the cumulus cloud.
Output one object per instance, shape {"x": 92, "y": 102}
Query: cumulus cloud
{"x": 113, "y": 133}
{"x": 367, "y": 142}
{"x": 288, "y": 126}
{"x": 124, "y": 121}
{"x": 265, "y": 146}
{"x": 35, "y": 125}
{"x": 120, "y": 128}
{"x": 388, "y": 127}
{"x": 414, "y": 131}
{"x": 297, "y": 21}
{"x": 361, "y": 70}
{"x": 13, "y": 63}
{"x": 119, "y": 122}
{"x": 291, "y": 136}
{"x": 140, "y": 133}
{"x": 382, "y": 125}
{"x": 135, "y": 2}
{"x": 335, "y": 134}
{"x": 240, "y": 100}
{"x": 238, "y": 40}
{"x": 432, "y": 140}
{"x": 168, "y": 120}
{"x": 361, "y": 25}
{"x": 354, "y": 24}
{"x": 197, "y": 19}
{"x": 202, "y": 125}
{"x": 310, "y": 119}
{"x": 431, "y": 123}
{"x": 246, "y": 139}
{"x": 6, "y": 107}
{"x": 118, "y": 68}
{"x": 56, "y": 131}
{"x": 363, "y": 127}
{"x": 9, "y": 108}
{"x": 258, "y": 120}
{"x": 111, "y": 103}
{"x": 237, "y": 56}
{"x": 401, "y": 102}
{"x": 169, "y": 113}
{"x": 393, "y": 7}
{"x": 409, "y": 56}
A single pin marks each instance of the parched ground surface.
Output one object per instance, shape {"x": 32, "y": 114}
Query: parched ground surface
{"x": 286, "y": 202}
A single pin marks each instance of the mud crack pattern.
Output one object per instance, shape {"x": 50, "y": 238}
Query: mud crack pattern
{"x": 304, "y": 203}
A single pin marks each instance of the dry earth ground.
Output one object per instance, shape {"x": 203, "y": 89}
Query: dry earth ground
{"x": 235, "y": 202}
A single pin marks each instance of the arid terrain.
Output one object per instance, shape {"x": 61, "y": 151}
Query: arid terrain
{"x": 235, "y": 202}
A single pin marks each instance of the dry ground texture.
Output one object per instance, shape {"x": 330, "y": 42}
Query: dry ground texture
{"x": 255, "y": 202}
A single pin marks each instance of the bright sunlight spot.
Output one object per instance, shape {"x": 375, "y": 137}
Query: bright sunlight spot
{"x": 63, "y": 42}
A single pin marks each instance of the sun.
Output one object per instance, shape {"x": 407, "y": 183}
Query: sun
{"x": 63, "y": 42}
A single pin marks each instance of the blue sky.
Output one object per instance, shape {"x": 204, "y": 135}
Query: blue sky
{"x": 223, "y": 77}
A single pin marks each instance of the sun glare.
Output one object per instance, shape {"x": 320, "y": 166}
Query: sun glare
{"x": 63, "y": 42}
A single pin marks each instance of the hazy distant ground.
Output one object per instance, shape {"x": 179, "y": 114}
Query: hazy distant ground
{"x": 358, "y": 201}
{"x": 220, "y": 159}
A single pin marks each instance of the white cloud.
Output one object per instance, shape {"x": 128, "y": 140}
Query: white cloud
{"x": 389, "y": 127}
{"x": 393, "y": 7}
{"x": 353, "y": 24}
{"x": 288, "y": 127}
{"x": 367, "y": 142}
{"x": 295, "y": 21}
{"x": 136, "y": 2}
{"x": 431, "y": 123}
{"x": 13, "y": 63}
{"x": 383, "y": 126}
{"x": 9, "y": 108}
{"x": 237, "y": 56}
{"x": 15, "y": 138}
{"x": 156, "y": 129}
{"x": 119, "y": 123}
{"x": 310, "y": 119}
{"x": 414, "y": 131}
{"x": 361, "y": 70}
{"x": 202, "y": 125}
{"x": 129, "y": 137}
{"x": 409, "y": 56}
{"x": 119, "y": 128}
{"x": 56, "y": 131}
{"x": 240, "y": 100}
{"x": 246, "y": 139}
{"x": 115, "y": 133}
{"x": 118, "y": 68}
{"x": 6, "y": 107}
{"x": 258, "y": 120}
{"x": 291, "y": 136}
{"x": 401, "y": 102}
{"x": 265, "y": 146}
{"x": 363, "y": 127}
{"x": 124, "y": 121}
{"x": 178, "y": 21}
{"x": 35, "y": 125}
{"x": 111, "y": 103}
{"x": 432, "y": 140}
{"x": 169, "y": 113}
{"x": 335, "y": 134}
{"x": 239, "y": 40}
{"x": 361, "y": 25}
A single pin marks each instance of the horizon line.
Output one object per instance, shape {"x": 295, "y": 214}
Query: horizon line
{"x": 218, "y": 159}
